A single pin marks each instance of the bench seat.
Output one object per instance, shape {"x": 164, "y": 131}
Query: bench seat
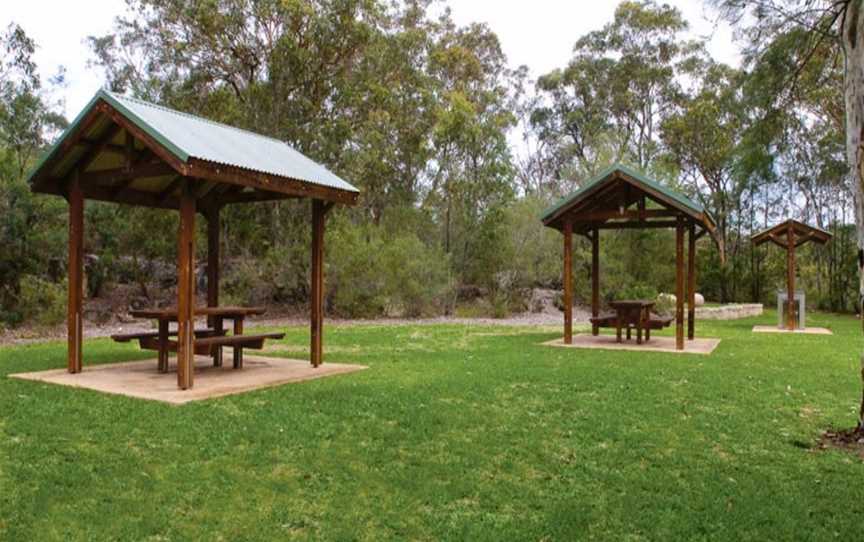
{"x": 129, "y": 337}
{"x": 611, "y": 320}
{"x": 208, "y": 342}
{"x": 653, "y": 322}
{"x": 659, "y": 322}
{"x": 206, "y": 346}
{"x": 238, "y": 342}
{"x": 255, "y": 342}
{"x": 607, "y": 320}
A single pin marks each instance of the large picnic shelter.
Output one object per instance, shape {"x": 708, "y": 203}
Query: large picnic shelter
{"x": 790, "y": 235}
{"x": 128, "y": 151}
{"x": 621, "y": 198}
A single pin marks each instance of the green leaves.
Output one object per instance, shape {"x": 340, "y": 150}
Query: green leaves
{"x": 30, "y": 227}
{"x": 606, "y": 105}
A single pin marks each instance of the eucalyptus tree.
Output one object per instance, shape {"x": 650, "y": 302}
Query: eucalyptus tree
{"x": 412, "y": 107}
{"x": 608, "y": 102}
{"x": 28, "y": 119}
{"x": 702, "y": 131}
{"x": 471, "y": 175}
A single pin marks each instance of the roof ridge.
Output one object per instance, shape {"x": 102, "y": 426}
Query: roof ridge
{"x": 199, "y": 118}
{"x": 633, "y": 176}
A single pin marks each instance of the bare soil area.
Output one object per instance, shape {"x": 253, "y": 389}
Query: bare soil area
{"x": 848, "y": 440}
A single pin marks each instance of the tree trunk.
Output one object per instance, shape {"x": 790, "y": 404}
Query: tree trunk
{"x": 853, "y": 47}
{"x": 720, "y": 243}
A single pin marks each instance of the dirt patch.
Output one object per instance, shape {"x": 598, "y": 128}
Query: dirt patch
{"x": 848, "y": 440}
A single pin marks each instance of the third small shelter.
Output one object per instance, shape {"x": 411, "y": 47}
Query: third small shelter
{"x": 790, "y": 235}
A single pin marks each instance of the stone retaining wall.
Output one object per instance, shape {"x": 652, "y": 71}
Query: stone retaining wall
{"x": 729, "y": 312}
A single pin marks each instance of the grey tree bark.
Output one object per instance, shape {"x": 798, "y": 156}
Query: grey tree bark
{"x": 852, "y": 38}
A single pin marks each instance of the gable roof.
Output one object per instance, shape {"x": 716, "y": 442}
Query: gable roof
{"x": 189, "y": 138}
{"x": 802, "y": 232}
{"x": 648, "y": 186}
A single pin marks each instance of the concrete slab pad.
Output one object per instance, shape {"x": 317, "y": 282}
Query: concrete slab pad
{"x": 805, "y": 331}
{"x": 656, "y": 344}
{"x": 141, "y": 379}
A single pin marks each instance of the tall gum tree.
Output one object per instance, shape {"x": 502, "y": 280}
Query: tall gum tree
{"x": 702, "y": 132}
{"x": 852, "y": 38}
{"x": 608, "y": 102}
{"x": 837, "y": 22}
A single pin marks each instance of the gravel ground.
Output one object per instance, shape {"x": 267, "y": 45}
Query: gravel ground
{"x": 25, "y": 335}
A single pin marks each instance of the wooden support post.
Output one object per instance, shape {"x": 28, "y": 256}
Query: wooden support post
{"x": 238, "y": 350}
{"x": 317, "y": 301}
{"x": 186, "y": 290}
{"x": 75, "y": 308}
{"x": 691, "y": 282}
{"x": 163, "y": 345}
{"x": 790, "y": 277}
{"x": 595, "y": 279}
{"x": 679, "y": 284}
{"x": 568, "y": 282}
{"x": 213, "y": 229}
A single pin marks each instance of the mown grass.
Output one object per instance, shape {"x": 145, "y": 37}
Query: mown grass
{"x": 455, "y": 432}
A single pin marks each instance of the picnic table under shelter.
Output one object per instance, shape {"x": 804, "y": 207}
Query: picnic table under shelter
{"x": 621, "y": 198}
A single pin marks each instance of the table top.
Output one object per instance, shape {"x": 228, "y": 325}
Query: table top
{"x": 632, "y": 303}
{"x": 171, "y": 312}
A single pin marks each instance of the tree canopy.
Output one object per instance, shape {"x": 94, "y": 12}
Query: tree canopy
{"x": 456, "y": 151}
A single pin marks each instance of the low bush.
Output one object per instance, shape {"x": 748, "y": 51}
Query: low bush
{"x": 42, "y": 302}
{"x": 370, "y": 274}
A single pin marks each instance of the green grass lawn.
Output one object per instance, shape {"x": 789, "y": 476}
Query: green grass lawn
{"x": 455, "y": 432}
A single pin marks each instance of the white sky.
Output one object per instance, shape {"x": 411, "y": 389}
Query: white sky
{"x": 539, "y": 33}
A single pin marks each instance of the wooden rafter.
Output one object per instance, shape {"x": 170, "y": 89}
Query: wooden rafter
{"x": 779, "y": 233}
{"x": 119, "y": 175}
{"x": 129, "y": 196}
{"x": 167, "y": 193}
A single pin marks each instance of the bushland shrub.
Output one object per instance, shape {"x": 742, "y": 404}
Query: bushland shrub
{"x": 370, "y": 274}
{"x": 637, "y": 290}
{"x": 532, "y": 250}
{"x": 665, "y": 304}
{"x": 42, "y": 302}
{"x": 240, "y": 284}
{"x": 503, "y": 293}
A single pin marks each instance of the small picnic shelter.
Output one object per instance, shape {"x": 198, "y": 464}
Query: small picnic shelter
{"x": 128, "y": 151}
{"x": 621, "y": 198}
{"x": 790, "y": 235}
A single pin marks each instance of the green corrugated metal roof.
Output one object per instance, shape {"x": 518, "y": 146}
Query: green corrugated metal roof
{"x": 606, "y": 174}
{"x": 187, "y": 136}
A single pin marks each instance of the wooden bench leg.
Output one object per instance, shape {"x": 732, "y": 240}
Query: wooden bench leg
{"x": 647, "y": 334}
{"x": 238, "y": 350}
{"x": 639, "y": 333}
{"x": 618, "y": 331}
{"x": 217, "y": 353}
{"x": 163, "y": 346}
{"x": 629, "y": 335}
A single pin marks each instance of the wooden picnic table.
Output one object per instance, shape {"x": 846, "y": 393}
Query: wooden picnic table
{"x": 216, "y": 317}
{"x": 632, "y": 313}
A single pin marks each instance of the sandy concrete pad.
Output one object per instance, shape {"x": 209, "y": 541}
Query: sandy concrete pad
{"x": 141, "y": 379}
{"x": 656, "y": 344}
{"x": 805, "y": 331}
